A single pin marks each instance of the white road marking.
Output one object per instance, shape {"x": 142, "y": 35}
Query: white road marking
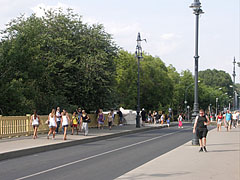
{"x": 97, "y": 155}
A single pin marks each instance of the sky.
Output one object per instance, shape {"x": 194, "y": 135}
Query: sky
{"x": 168, "y": 26}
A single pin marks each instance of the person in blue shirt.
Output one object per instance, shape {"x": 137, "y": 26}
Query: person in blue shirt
{"x": 228, "y": 120}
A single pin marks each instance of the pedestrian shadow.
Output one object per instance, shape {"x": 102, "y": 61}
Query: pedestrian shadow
{"x": 228, "y": 150}
{"x": 148, "y": 176}
{"x": 225, "y": 144}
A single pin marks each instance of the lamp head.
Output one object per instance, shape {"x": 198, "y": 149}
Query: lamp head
{"x": 196, "y": 6}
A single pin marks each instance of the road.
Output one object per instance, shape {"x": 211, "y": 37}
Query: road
{"x": 101, "y": 160}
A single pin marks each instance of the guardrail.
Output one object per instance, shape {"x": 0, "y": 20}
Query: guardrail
{"x": 14, "y": 126}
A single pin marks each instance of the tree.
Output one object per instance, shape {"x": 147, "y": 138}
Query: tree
{"x": 55, "y": 60}
{"x": 156, "y": 88}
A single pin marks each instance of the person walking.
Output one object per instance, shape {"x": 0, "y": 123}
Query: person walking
{"x": 228, "y": 120}
{"x": 35, "y": 121}
{"x": 180, "y": 119}
{"x": 237, "y": 118}
{"x": 110, "y": 119}
{"x": 100, "y": 119}
{"x": 58, "y": 117}
{"x": 168, "y": 120}
{"x": 200, "y": 128}
{"x": 162, "y": 118}
{"x": 52, "y": 123}
{"x": 74, "y": 122}
{"x": 65, "y": 121}
{"x": 85, "y": 120}
{"x": 149, "y": 117}
{"x": 234, "y": 119}
{"x": 143, "y": 114}
{"x": 219, "y": 121}
{"x": 79, "y": 111}
{"x": 120, "y": 117}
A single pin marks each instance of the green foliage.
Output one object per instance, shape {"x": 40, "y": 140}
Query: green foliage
{"x": 156, "y": 88}
{"x": 55, "y": 60}
{"x": 216, "y": 79}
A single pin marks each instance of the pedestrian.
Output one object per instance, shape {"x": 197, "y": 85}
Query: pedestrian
{"x": 52, "y": 123}
{"x": 110, "y": 119}
{"x": 149, "y": 117}
{"x": 85, "y": 120}
{"x": 219, "y": 121}
{"x": 120, "y": 117}
{"x": 168, "y": 120}
{"x": 162, "y": 119}
{"x": 79, "y": 111}
{"x": 143, "y": 114}
{"x": 58, "y": 117}
{"x": 180, "y": 119}
{"x": 101, "y": 119}
{"x": 65, "y": 121}
{"x": 74, "y": 123}
{"x": 234, "y": 119}
{"x": 238, "y": 118}
{"x": 228, "y": 120}
{"x": 35, "y": 121}
{"x": 200, "y": 128}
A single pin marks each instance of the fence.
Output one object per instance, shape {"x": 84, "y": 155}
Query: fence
{"x": 13, "y": 126}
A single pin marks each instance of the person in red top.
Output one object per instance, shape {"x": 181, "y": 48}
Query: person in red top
{"x": 219, "y": 121}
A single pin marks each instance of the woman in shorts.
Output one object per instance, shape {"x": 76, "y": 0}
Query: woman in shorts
{"x": 65, "y": 121}
{"x": 100, "y": 119}
{"x": 200, "y": 128}
{"x": 110, "y": 119}
{"x": 219, "y": 121}
{"x": 74, "y": 122}
{"x": 35, "y": 121}
{"x": 52, "y": 123}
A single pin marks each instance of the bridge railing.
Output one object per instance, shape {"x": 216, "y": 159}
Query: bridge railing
{"x": 13, "y": 126}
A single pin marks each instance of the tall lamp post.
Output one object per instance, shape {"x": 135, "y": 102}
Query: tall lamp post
{"x": 196, "y": 6}
{"x": 234, "y": 93}
{"x": 185, "y": 96}
{"x": 139, "y": 57}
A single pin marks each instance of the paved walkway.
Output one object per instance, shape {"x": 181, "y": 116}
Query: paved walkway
{"x": 221, "y": 162}
{"x": 20, "y": 146}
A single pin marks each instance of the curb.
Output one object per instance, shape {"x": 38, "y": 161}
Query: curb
{"x": 35, "y": 150}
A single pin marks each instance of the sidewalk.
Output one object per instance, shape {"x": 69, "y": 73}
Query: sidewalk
{"x": 221, "y": 162}
{"x": 21, "y": 146}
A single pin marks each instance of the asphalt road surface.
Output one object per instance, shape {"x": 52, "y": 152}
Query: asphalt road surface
{"x": 101, "y": 160}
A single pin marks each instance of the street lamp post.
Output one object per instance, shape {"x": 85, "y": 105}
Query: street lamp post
{"x": 139, "y": 57}
{"x": 185, "y": 96}
{"x": 216, "y": 107}
{"x": 196, "y": 6}
{"x": 234, "y": 93}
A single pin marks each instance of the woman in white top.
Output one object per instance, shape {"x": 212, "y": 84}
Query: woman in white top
{"x": 35, "y": 121}
{"x": 52, "y": 123}
{"x": 65, "y": 121}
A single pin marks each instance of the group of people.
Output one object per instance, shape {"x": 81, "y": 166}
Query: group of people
{"x": 56, "y": 118}
{"x": 79, "y": 121}
{"x": 101, "y": 119}
{"x": 154, "y": 117}
{"x": 229, "y": 119}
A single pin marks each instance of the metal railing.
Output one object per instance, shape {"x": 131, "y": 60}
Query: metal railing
{"x": 14, "y": 126}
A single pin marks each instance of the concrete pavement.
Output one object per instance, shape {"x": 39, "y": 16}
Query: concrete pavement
{"x": 221, "y": 162}
{"x": 21, "y": 146}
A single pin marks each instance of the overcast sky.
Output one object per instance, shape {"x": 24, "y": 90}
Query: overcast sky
{"x": 168, "y": 26}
